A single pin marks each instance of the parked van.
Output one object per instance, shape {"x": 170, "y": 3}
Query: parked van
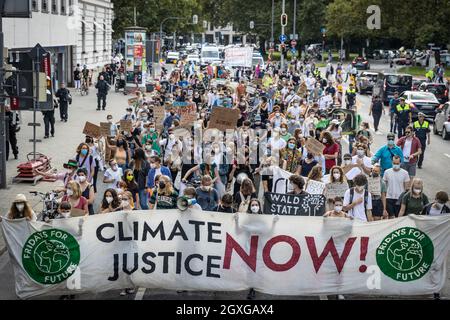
{"x": 209, "y": 54}
{"x": 389, "y": 83}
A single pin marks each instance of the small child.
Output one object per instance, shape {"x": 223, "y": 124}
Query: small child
{"x": 337, "y": 212}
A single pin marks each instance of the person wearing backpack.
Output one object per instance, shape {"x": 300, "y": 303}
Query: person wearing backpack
{"x": 207, "y": 197}
{"x": 358, "y": 200}
{"x": 397, "y": 182}
{"x": 85, "y": 160}
{"x": 243, "y": 197}
{"x": 414, "y": 200}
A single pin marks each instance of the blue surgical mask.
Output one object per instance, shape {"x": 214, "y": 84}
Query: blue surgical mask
{"x": 391, "y": 142}
{"x": 291, "y": 145}
{"x": 84, "y": 152}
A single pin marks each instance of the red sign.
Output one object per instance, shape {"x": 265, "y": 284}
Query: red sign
{"x": 14, "y": 103}
{"x": 138, "y": 51}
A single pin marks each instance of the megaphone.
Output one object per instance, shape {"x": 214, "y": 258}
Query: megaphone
{"x": 184, "y": 202}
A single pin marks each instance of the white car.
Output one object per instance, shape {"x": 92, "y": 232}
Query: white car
{"x": 209, "y": 54}
{"x": 193, "y": 57}
{"x": 442, "y": 122}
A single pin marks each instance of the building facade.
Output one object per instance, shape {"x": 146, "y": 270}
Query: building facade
{"x": 73, "y": 31}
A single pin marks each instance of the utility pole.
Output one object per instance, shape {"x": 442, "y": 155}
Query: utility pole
{"x": 135, "y": 23}
{"x": 294, "y": 18}
{"x": 272, "y": 40}
{"x": 282, "y": 32}
{"x": 2, "y": 114}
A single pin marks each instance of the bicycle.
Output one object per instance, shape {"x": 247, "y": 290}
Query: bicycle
{"x": 50, "y": 204}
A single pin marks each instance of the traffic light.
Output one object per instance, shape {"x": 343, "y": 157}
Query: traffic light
{"x": 20, "y": 85}
{"x": 284, "y": 20}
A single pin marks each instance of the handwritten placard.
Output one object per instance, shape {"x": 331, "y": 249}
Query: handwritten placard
{"x": 314, "y": 146}
{"x": 126, "y": 125}
{"x": 91, "y": 130}
{"x": 335, "y": 189}
{"x": 224, "y": 118}
{"x": 159, "y": 115}
{"x": 374, "y": 186}
{"x": 105, "y": 129}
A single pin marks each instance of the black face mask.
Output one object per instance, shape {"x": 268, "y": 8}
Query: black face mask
{"x": 162, "y": 185}
{"x": 310, "y": 156}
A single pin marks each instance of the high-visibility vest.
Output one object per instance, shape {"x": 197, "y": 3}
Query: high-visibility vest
{"x": 405, "y": 108}
{"x": 351, "y": 91}
{"x": 424, "y": 125}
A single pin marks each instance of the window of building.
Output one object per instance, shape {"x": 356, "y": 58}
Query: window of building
{"x": 44, "y": 6}
{"x": 63, "y": 7}
{"x": 104, "y": 37}
{"x": 54, "y": 7}
{"x": 34, "y": 5}
{"x": 95, "y": 37}
{"x": 70, "y": 7}
{"x": 83, "y": 38}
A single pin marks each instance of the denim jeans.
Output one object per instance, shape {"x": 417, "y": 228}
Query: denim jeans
{"x": 143, "y": 199}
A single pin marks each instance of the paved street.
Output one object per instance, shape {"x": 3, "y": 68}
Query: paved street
{"x": 436, "y": 174}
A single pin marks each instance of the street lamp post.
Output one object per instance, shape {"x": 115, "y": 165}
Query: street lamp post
{"x": 272, "y": 40}
{"x": 161, "y": 31}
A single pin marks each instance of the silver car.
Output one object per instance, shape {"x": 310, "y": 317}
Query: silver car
{"x": 442, "y": 122}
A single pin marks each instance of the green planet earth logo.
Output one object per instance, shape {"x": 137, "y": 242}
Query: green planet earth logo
{"x": 405, "y": 254}
{"x": 50, "y": 256}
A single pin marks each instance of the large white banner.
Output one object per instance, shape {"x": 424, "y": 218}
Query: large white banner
{"x": 239, "y": 57}
{"x": 207, "y": 251}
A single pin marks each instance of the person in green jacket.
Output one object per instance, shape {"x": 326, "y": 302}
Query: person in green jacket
{"x": 150, "y": 133}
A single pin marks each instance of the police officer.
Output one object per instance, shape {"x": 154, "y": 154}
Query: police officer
{"x": 49, "y": 120}
{"x": 392, "y": 105}
{"x": 422, "y": 130}
{"x": 64, "y": 96}
{"x": 404, "y": 116}
{"x": 350, "y": 96}
{"x": 102, "y": 86}
{"x": 12, "y": 119}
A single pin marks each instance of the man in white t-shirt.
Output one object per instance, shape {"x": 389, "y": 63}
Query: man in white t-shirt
{"x": 295, "y": 110}
{"x": 113, "y": 176}
{"x": 358, "y": 200}
{"x": 276, "y": 142}
{"x": 363, "y": 161}
{"x": 397, "y": 181}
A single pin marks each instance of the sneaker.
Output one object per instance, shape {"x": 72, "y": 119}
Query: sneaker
{"x": 129, "y": 291}
{"x": 123, "y": 293}
{"x": 436, "y": 296}
{"x": 341, "y": 297}
{"x": 46, "y": 137}
{"x": 251, "y": 295}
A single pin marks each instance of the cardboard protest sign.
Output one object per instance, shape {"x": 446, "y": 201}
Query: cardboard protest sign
{"x": 132, "y": 101}
{"x": 105, "y": 129}
{"x": 294, "y": 205}
{"x": 91, "y": 130}
{"x": 224, "y": 118}
{"x": 159, "y": 114}
{"x": 374, "y": 186}
{"x": 251, "y": 89}
{"x": 187, "y": 113}
{"x": 126, "y": 125}
{"x": 314, "y": 146}
{"x": 335, "y": 189}
{"x": 315, "y": 187}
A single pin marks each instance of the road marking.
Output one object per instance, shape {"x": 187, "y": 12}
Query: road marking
{"x": 447, "y": 155}
{"x": 140, "y": 294}
{"x": 323, "y": 297}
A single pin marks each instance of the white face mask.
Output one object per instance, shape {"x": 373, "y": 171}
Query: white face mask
{"x": 69, "y": 192}
{"x": 82, "y": 179}
{"x": 338, "y": 208}
{"x": 171, "y": 136}
{"x": 347, "y": 162}
{"x": 254, "y": 209}
{"x": 125, "y": 203}
{"x": 396, "y": 167}
{"x": 109, "y": 199}
{"x": 417, "y": 191}
{"x": 360, "y": 153}
{"x": 20, "y": 206}
{"x": 324, "y": 140}
{"x": 337, "y": 176}
{"x": 152, "y": 165}
{"x": 65, "y": 214}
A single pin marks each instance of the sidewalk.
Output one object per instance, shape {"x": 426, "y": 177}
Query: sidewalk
{"x": 60, "y": 148}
